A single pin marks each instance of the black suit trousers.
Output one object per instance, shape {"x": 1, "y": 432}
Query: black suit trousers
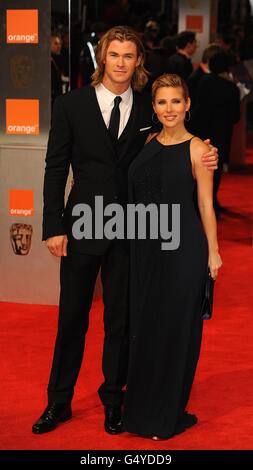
{"x": 78, "y": 276}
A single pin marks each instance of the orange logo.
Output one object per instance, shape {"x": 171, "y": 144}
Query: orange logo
{"x": 22, "y": 27}
{"x": 21, "y": 202}
{"x": 22, "y": 117}
{"x": 194, "y": 23}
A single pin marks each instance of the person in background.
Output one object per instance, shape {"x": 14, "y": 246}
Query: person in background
{"x": 56, "y": 66}
{"x": 88, "y": 63}
{"x": 65, "y": 51}
{"x": 217, "y": 110}
{"x": 180, "y": 63}
{"x": 227, "y": 41}
{"x": 151, "y": 34}
{"x": 203, "y": 68}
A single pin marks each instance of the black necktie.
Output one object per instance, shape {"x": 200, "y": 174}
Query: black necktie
{"x": 115, "y": 119}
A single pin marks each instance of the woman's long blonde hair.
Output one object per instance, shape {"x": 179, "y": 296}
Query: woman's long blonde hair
{"x": 120, "y": 33}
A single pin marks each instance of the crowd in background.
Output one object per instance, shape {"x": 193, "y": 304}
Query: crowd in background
{"x": 218, "y": 83}
{"x": 159, "y": 35}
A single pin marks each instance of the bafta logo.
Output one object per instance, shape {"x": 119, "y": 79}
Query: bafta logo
{"x": 21, "y": 238}
{"x": 21, "y": 71}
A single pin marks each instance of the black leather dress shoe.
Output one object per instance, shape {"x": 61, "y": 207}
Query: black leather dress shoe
{"x": 113, "y": 419}
{"x": 53, "y": 414}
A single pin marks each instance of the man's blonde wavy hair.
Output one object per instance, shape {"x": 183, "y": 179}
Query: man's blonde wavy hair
{"x": 120, "y": 33}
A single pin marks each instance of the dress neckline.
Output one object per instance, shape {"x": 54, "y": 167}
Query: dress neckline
{"x": 174, "y": 145}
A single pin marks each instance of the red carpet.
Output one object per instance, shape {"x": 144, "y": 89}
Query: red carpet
{"x": 222, "y": 394}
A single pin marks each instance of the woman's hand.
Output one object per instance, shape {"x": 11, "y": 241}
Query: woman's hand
{"x": 214, "y": 264}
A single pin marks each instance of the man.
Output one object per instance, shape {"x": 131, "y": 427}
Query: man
{"x": 99, "y": 130}
{"x": 218, "y": 94}
{"x": 56, "y": 66}
{"x": 180, "y": 63}
{"x": 203, "y": 69}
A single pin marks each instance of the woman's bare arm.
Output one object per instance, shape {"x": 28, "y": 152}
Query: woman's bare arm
{"x": 204, "y": 178}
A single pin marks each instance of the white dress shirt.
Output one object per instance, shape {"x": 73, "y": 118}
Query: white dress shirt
{"x": 106, "y": 102}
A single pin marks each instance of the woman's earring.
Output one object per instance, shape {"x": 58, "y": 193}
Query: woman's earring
{"x": 188, "y": 117}
{"x": 155, "y": 122}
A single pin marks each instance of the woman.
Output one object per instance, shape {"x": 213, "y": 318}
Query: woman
{"x": 166, "y": 286}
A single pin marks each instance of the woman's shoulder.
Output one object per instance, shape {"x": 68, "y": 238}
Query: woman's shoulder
{"x": 198, "y": 146}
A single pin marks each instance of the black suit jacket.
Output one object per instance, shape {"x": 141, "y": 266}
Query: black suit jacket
{"x": 217, "y": 110}
{"x": 179, "y": 64}
{"x": 193, "y": 83}
{"x": 79, "y": 137}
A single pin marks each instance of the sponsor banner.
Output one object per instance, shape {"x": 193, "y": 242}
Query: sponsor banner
{"x": 21, "y": 202}
{"x": 194, "y": 23}
{"x": 22, "y": 27}
{"x": 22, "y": 116}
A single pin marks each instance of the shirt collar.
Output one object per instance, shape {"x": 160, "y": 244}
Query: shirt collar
{"x": 109, "y": 97}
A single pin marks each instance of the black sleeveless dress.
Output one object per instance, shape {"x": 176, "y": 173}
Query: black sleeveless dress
{"x": 165, "y": 295}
